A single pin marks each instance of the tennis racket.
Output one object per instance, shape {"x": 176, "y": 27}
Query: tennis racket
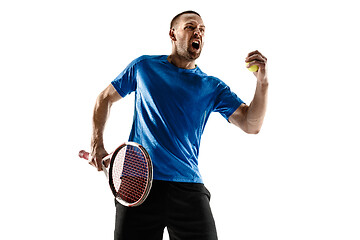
{"x": 130, "y": 173}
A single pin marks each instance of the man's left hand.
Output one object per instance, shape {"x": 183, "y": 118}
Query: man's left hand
{"x": 256, "y": 58}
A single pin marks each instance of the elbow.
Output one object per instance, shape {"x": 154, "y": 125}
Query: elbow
{"x": 248, "y": 128}
{"x": 104, "y": 99}
{"x": 253, "y": 127}
{"x": 253, "y": 131}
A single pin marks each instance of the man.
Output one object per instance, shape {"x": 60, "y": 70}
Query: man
{"x": 173, "y": 100}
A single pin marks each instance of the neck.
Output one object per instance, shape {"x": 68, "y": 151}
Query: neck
{"x": 181, "y": 62}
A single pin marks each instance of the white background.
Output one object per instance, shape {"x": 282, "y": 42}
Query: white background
{"x": 298, "y": 179}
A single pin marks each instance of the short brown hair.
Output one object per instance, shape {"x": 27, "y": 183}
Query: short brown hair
{"x": 173, "y": 21}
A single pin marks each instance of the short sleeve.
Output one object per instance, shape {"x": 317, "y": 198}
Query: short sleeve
{"x": 227, "y": 101}
{"x": 125, "y": 82}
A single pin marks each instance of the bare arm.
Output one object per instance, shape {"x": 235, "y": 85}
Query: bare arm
{"x": 101, "y": 113}
{"x": 250, "y": 118}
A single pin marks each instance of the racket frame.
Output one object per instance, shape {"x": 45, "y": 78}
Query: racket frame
{"x": 109, "y": 174}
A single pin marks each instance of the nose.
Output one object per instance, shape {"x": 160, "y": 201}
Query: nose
{"x": 197, "y": 32}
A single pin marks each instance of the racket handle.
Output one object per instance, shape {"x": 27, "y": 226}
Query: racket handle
{"x": 84, "y": 154}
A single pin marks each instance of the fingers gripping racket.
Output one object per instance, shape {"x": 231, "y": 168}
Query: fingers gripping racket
{"x": 130, "y": 173}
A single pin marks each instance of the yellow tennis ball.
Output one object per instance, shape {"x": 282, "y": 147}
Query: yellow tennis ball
{"x": 253, "y": 68}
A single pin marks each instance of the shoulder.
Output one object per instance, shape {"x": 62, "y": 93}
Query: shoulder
{"x": 148, "y": 58}
{"x": 145, "y": 61}
{"x": 213, "y": 82}
{"x": 209, "y": 78}
{"x": 216, "y": 82}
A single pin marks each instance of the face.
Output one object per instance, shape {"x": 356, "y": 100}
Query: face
{"x": 188, "y": 36}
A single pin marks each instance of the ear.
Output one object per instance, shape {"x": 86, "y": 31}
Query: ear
{"x": 172, "y": 34}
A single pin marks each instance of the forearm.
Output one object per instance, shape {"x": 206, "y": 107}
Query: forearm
{"x": 101, "y": 113}
{"x": 100, "y": 116}
{"x": 256, "y": 112}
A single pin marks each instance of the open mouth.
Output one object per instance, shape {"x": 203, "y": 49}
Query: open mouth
{"x": 196, "y": 45}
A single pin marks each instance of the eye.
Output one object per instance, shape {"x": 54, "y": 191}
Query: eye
{"x": 190, "y": 27}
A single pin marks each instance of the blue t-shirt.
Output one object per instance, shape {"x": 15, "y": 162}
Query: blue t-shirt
{"x": 172, "y": 106}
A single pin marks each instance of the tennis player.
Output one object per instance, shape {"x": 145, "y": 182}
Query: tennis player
{"x": 173, "y": 101}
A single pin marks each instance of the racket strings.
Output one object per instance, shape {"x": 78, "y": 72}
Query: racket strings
{"x": 130, "y": 174}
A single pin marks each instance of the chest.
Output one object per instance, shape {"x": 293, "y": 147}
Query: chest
{"x": 176, "y": 88}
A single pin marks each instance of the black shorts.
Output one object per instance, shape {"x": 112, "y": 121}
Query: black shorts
{"x": 181, "y": 207}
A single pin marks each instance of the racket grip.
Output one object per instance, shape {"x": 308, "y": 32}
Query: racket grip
{"x": 84, "y": 154}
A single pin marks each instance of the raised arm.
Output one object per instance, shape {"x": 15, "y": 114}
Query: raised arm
{"x": 101, "y": 113}
{"x": 250, "y": 118}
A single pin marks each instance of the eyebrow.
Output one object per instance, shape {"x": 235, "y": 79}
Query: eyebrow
{"x": 192, "y": 23}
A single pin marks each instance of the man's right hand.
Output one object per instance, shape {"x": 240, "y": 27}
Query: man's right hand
{"x": 96, "y": 158}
